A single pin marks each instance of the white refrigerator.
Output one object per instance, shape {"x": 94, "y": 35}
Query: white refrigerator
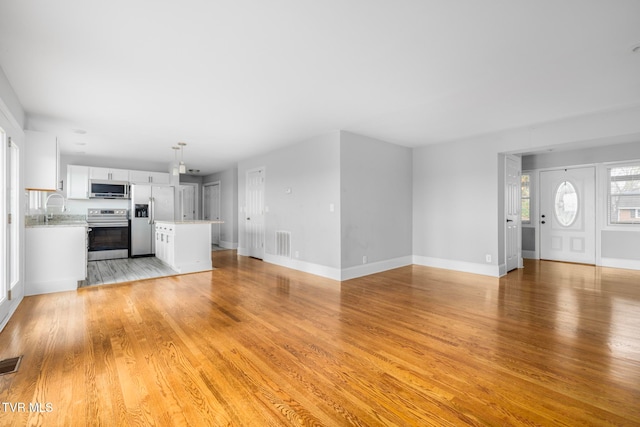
{"x": 148, "y": 204}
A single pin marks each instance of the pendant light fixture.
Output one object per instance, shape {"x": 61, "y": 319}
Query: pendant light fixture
{"x": 182, "y": 166}
{"x": 175, "y": 170}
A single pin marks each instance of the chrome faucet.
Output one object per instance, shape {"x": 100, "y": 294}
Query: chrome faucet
{"x": 47, "y": 215}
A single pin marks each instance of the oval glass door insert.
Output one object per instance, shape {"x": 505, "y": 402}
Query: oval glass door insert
{"x": 566, "y": 206}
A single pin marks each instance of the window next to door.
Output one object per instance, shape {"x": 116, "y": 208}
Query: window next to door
{"x": 624, "y": 194}
{"x": 525, "y": 211}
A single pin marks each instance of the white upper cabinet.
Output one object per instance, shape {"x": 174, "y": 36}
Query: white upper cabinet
{"x": 42, "y": 162}
{"x": 144, "y": 177}
{"x": 109, "y": 174}
{"x": 77, "y": 182}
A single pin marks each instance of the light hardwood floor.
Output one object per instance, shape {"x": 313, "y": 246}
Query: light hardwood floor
{"x": 255, "y": 344}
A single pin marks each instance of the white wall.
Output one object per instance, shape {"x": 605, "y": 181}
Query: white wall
{"x": 376, "y": 203}
{"x": 10, "y": 105}
{"x": 458, "y": 217}
{"x": 342, "y": 196}
{"x": 111, "y": 162}
{"x": 455, "y": 206}
{"x": 583, "y": 156}
{"x": 228, "y": 205}
{"x": 311, "y": 169}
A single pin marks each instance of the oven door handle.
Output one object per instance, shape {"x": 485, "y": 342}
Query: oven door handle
{"x": 107, "y": 224}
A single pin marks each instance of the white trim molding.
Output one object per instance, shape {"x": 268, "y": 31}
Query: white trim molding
{"x": 307, "y": 267}
{"x": 464, "y": 266}
{"x": 375, "y": 267}
{"x": 229, "y": 245}
{"x": 629, "y": 264}
{"x": 336, "y": 273}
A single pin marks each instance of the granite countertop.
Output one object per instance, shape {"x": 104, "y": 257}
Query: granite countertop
{"x": 57, "y": 224}
{"x": 33, "y": 221}
{"x": 192, "y": 221}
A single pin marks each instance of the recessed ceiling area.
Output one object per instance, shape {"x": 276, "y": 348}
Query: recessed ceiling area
{"x": 236, "y": 79}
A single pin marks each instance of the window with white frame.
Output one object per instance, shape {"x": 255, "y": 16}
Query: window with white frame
{"x": 624, "y": 194}
{"x": 525, "y": 194}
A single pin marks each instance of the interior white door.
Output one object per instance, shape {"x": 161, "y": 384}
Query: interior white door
{"x": 512, "y": 213}
{"x": 187, "y": 202}
{"x": 567, "y": 215}
{"x": 211, "y": 203}
{"x": 5, "y": 258}
{"x": 13, "y": 201}
{"x": 254, "y": 224}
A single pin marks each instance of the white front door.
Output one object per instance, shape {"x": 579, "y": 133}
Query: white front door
{"x": 211, "y": 205}
{"x": 512, "y": 212}
{"x": 254, "y": 213}
{"x": 567, "y": 215}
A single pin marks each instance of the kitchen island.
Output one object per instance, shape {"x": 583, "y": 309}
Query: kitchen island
{"x": 185, "y": 246}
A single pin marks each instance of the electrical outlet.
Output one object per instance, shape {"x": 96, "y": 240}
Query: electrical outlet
{"x": 488, "y": 257}
{"x": 364, "y": 259}
{"x": 297, "y": 254}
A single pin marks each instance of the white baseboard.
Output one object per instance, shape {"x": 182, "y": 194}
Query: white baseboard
{"x": 307, "y": 267}
{"x": 228, "y": 245}
{"x": 529, "y": 255}
{"x": 243, "y": 251}
{"x": 38, "y": 288}
{"x": 14, "y": 306}
{"x": 502, "y": 270}
{"x": 466, "y": 267}
{"x": 629, "y": 264}
{"x": 375, "y": 267}
{"x": 336, "y": 273}
{"x": 194, "y": 267}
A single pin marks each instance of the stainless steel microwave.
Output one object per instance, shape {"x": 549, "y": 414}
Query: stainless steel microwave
{"x": 100, "y": 189}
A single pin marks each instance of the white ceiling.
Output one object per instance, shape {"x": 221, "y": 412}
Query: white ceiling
{"x": 237, "y": 78}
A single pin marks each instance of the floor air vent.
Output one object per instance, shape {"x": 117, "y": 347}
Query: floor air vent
{"x": 283, "y": 243}
{"x": 9, "y": 366}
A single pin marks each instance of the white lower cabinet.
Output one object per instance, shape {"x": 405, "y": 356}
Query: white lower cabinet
{"x": 56, "y": 258}
{"x": 184, "y": 246}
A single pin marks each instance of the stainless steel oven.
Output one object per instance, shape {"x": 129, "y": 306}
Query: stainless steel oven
{"x": 108, "y": 234}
